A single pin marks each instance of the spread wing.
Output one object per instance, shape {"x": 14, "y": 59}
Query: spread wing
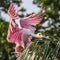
{"x": 33, "y": 20}
{"x": 11, "y": 11}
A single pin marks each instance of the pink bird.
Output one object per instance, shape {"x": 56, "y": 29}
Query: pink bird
{"x": 21, "y": 30}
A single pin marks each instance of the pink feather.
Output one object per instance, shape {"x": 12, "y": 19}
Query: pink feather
{"x": 16, "y": 35}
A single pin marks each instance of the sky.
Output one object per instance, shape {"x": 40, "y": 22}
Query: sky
{"x": 30, "y": 6}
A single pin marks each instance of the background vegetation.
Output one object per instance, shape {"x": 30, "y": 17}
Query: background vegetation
{"x": 40, "y": 49}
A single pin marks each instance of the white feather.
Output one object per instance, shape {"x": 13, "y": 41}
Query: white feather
{"x": 17, "y": 21}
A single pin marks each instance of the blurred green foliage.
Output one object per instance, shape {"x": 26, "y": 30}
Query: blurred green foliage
{"x": 47, "y": 48}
